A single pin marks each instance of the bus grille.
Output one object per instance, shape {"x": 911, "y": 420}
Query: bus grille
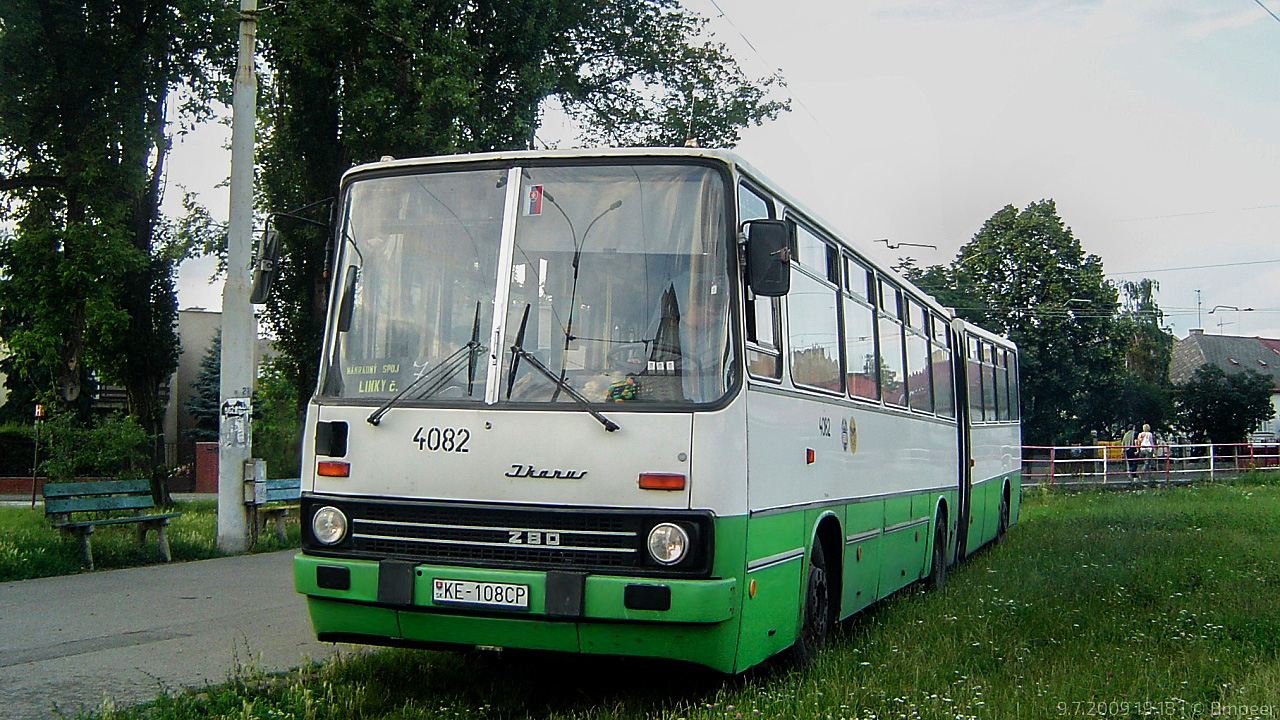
{"x": 588, "y": 540}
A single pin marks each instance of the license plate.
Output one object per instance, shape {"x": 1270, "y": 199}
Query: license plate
{"x": 468, "y": 593}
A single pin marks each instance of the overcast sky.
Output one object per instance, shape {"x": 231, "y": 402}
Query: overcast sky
{"x": 1154, "y": 125}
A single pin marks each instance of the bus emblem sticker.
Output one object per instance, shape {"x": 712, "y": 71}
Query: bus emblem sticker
{"x": 534, "y": 205}
{"x": 853, "y": 436}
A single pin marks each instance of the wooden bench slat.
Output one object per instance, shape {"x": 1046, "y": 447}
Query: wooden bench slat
{"x": 281, "y": 495}
{"x": 97, "y": 487}
{"x": 117, "y": 521}
{"x": 97, "y": 504}
{"x": 61, "y": 500}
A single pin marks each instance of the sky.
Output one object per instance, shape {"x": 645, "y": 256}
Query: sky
{"x": 1154, "y": 126}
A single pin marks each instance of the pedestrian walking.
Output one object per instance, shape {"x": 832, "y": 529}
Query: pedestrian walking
{"x": 1129, "y": 443}
{"x": 1146, "y": 447}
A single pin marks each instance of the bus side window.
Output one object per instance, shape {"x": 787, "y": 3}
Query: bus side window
{"x": 1002, "y": 383}
{"x": 919, "y": 372}
{"x": 861, "y": 359}
{"x": 813, "y": 317}
{"x": 764, "y": 356}
{"x": 988, "y": 381}
{"x": 940, "y": 355}
{"x": 892, "y": 364}
{"x": 1015, "y": 412}
{"x": 973, "y": 368}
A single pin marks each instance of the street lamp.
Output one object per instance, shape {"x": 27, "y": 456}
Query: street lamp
{"x": 1227, "y": 307}
{"x": 895, "y": 246}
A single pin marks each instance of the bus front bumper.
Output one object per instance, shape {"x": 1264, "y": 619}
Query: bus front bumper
{"x": 394, "y": 603}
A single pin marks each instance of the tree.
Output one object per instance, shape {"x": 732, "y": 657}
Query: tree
{"x": 1150, "y": 347}
{"x": 1025, "y": 275}
{"x": 352, "y": 83}
{"x": 86, "y": 279}
{"x": 1216, "y": 407}
{"x": 277, "y": 430}
{"x": 1143, "y": 393}
{"x": 204, "y": 406}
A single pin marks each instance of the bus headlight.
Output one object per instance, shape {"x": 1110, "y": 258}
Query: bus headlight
{"x": 668, "y": 543}
{"x": 329, "y": 525}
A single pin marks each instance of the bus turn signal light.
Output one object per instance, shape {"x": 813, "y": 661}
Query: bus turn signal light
{"x": 333, "y": 468}
{"x": 661, "y": 481}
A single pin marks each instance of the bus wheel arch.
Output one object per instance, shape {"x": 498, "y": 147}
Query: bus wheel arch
{"x": 939, "y": 557}
{"x": 1002, "y": 521}
{"x": 820, "y": 605}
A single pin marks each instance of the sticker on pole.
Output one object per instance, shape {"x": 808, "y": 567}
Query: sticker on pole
{"x": 236, "y": 407}
{"x": 235, "y": 422}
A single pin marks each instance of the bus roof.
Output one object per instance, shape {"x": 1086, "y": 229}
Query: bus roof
{"x": 726, "y": 157}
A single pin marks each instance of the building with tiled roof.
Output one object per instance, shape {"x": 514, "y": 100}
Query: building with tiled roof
{"x": 1233, "y": 354}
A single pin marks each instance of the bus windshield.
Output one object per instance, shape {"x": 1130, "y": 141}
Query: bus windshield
{"x": 618, "y": 286}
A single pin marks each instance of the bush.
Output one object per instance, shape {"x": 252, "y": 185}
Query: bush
{"x": 114, "y": 446}
{"x": 15, "y": 450}
{"x": 277, "y": 428}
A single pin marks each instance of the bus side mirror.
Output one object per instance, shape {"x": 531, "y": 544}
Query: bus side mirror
{"x": 264, "y": 268}
{"x": 347, "y": 303}
{"x": 769, "y": 256}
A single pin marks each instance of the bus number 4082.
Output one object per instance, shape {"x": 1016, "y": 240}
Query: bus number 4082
{"x": 442, "y": 439}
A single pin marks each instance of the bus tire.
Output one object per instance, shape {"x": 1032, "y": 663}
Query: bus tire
{"x": 938, "y": 571}
{"x": 1002, "y": 523}
{"x": 815, "y": 615}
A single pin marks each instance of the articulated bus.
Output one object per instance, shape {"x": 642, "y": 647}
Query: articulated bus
{"x": 632, "y": 402}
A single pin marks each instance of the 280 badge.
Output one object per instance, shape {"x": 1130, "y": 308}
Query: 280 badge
{"x": 438, "y": 439}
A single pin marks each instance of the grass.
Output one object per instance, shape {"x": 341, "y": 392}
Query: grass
{"x": 1151, "y": 603}
{"x": 30, "y": 548}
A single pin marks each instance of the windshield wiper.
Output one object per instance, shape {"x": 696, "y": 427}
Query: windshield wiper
{"x": 518, "y": 351}
{"x": 440, "y": 374}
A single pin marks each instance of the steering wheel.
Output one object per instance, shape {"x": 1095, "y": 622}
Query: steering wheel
{"x": 629, "y": 356}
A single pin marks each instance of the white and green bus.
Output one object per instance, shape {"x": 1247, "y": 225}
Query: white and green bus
{"x": 632, "y": 402}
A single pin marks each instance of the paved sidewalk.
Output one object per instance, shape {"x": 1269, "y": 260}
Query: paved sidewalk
{"x": 68, "y": 643}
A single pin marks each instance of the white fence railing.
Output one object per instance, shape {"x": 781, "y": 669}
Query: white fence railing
{"x": 1102, "y": 464}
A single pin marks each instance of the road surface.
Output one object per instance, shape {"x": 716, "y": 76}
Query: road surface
{"x": 69, "y": 643}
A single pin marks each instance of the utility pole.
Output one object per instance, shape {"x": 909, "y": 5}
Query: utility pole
{"x": 239, "y": 328}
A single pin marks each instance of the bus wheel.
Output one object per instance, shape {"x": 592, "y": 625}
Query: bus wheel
{"x": 816, "y": 618}
{"x": 938, "y": 573}
{"x": 1002, "y": 524}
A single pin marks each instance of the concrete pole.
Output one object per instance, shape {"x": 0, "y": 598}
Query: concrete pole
{"x": 239, "y": 328}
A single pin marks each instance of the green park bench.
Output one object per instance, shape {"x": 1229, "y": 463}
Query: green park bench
{"x": 67, "y": 505}
{"x": 275, "y": 499}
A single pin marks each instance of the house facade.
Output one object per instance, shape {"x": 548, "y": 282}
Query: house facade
{"x": 1233, "y": 354}
{"x": 196, "y": 328}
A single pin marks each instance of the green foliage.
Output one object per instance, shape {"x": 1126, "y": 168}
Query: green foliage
{"x": 1140, "y": 392}
{"x": 205, "y": 406}
{"x": 639, "y": 73}
{"x": 86, "y": 278}
{"x": 1025, "y": 275}
{"x": 1114, "y": 403}
{"x": 1214, "y": 406}
{"x": 277, "y": 421}
{"x": 277, "y": 429}
{"x": 16, "y": 449}
{"x": 1145, "y": 603}
{"x": 115, "y": 446}
{"x": 352, "y": 83}
{"x": 30, "y": 548}
{"x": 1150, "y": 346}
